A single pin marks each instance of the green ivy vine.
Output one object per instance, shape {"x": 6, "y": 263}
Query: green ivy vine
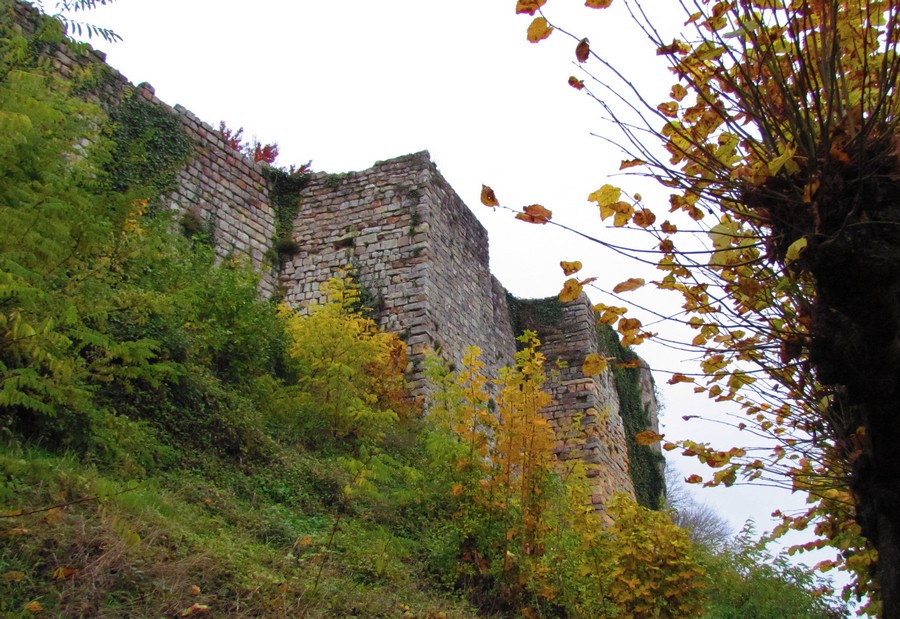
{"x": 644, "y": 464}
{"x": 149, "y": 147}
{"x": 284, "y": 196}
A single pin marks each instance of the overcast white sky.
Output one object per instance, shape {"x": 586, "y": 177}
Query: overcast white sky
{"x": 347, "y": 83}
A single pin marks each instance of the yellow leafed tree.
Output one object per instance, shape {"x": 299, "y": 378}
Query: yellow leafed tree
{"x": 350, "y": 380}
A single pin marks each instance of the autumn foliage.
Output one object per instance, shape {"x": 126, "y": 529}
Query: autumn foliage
{"x": 780, "y": 141}
{"x": 530, "y": 541}
{"x": 258, "y": 152}
{"x": 350, "y": 374}
{"x": 174, "y": 445}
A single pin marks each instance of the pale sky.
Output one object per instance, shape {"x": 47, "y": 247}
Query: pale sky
{"x": 347, "y": 83}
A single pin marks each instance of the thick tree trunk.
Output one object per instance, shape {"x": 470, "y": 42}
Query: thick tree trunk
{"x": 856, "y": 350}
{"x": 875, "y": 481}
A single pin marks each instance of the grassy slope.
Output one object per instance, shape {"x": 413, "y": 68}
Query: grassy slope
{"x": 127, "y": 547}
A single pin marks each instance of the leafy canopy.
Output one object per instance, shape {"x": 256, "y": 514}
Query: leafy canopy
{"x": 778, "y": 145}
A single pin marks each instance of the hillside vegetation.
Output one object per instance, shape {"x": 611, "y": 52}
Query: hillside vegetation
{"x": 172, "y": 445}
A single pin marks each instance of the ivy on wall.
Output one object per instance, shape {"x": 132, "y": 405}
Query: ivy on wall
{"x": 149, "y": 147}
{"x": 284, "y": 196}
{"x": 534, "y": 314}
{"x": 644, "y": 464}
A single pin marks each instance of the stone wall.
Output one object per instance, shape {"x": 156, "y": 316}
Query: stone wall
{"x": 416, "y": 248}
{"x": 228, "y": 193}
{"x": 585, "y": 410}
{"x": 218, "y": 185}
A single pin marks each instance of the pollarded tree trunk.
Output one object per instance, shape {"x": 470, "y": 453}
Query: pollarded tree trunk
{"x": 854, "y": 256}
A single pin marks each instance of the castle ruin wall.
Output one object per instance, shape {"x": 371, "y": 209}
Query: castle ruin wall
{"x": 585, "y": 409}
{"x": 415, "y": 246}
{"x": 219, "y": 185}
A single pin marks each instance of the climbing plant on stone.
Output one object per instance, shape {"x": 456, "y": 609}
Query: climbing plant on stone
{"x": 780, "y": 136}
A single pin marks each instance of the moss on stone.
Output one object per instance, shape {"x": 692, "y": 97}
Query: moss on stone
{"x": 538, "y": 315}
{"x": 284, "y": 196}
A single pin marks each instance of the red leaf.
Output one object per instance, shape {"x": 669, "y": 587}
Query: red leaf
{"x": 583, "y": 50}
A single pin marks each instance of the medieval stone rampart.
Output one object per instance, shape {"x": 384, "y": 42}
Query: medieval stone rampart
{"x": 417, "y": 251}
{"x": 218, "y": 185}
{"x": 415, "y": 247}
{"x": 585, "y": 410}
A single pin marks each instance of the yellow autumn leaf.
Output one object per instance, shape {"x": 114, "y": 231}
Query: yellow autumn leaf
{"x": 723, "y": 234}
{"x": 13, "y": 576}
{"x": 631, "y": 163}
{"x": 627, "y": 325}
{"x": 668, "y": 109}
{"x": 714, "y": 363}
{"x": 679, "y": 92}
{"x": 570, "y": 268}
{"x": 632, "y": 283}
{"x": 593, "y": 365}
{"x": 54, "y": 516}
{"x": 539, "y": 30}
{"x": 529, "y": 6}
{"x": 624, "y": 211}
{"x": 571, "y": 290}
{"x": 63, "y": 572}
{"x": 647, "y": 437}
{"x": 606, "y": 195}
{"x": 598, "y": 4}
{"x": 675, "y": 47}
{"x": 609, "y": 315}
{"x": 487, "y": 196}
{"x": 644, "y": 218}
{"x": 634, "y": 363}
{"x": 195, "y": 611}
{"x": 781, "y": 161}
{"x": 668, "y": 228}
{"x": 34, "y": 607}
{"x": 679, "y": 378}
{"x": 693, "y": 479}
{"x": 725, "y": 477}
{"x": 810, "y": 190}
{"x": 795, "y": 249}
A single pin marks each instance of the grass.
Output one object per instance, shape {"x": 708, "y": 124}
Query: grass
{"x": 242, "y": 546}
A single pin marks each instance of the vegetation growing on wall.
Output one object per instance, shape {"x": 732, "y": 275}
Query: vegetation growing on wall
{"x": 171, "y": 446}
{"x": 534, "y": 314}
{"x": 645, "y": 465}
{"x": 149, "y": 146}
{"x": 284, "y": 195}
